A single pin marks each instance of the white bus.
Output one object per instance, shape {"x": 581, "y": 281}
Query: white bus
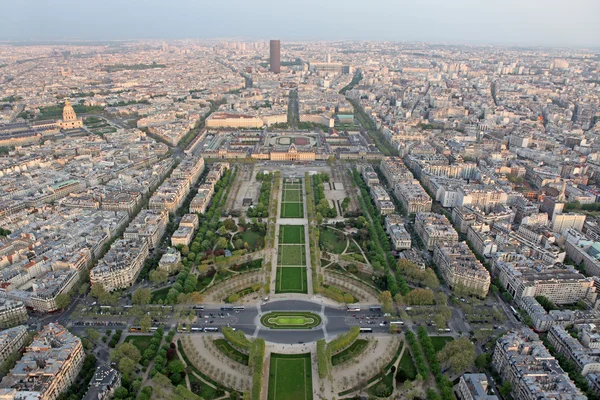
{"x": 196, "y": 329}
{"x": 238, "y": 308}
{"x": 366, "y": 330}
{"x": 211, "y": 329}
{"x": 396, "y": 323}
{"x": 353, "y": 307}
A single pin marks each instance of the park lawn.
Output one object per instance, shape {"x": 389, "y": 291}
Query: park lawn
{"x": 291, "y": 254}
{"x": 291, "y": 234}
{"x": 290, "y": 377}
{"x": 440, "y": 341}
{"x": 328, "y": 240}
{"x": 206, "y": 392}
{"x": 250, "y": 237}
{"x": 140, "y": 342}
{"x": 160, "y": 294}
{"x": 408, "y": 365}
{"x": 292, "y": 195}
{"x": 292, "y": 210}
{"x": 387, "y": 380}
{"x": 357, "y": 347}
{"x": 291, "y": 280}
{"x": 231, "y": 352}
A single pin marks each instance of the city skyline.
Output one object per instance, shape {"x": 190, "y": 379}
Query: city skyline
{"x": 537, "y": 23}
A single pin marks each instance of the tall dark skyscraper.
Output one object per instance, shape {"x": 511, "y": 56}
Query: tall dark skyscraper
{"x": 275, "y": 56}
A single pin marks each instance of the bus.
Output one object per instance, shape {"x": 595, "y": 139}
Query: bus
{"x": 198, "y": 307}
{"x": 396, "y": 323}
{"x": 127, "y": 306}
{"x": 353, "y": 307}
{"x": 135, "y": 329}
{"x": 516, "y": 313}
{"x": 211, "y": 329}
{"x": 196, "y": 329}
{"x": 227, "y": 308}
{"x": 375, "y": 308}
{"x": 238, "y": 308}
{"x": 366, "y": 330}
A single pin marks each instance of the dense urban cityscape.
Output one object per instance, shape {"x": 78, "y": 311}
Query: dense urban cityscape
{"x": 282, "y": 220}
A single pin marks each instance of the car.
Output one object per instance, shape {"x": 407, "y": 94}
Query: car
{"x": 362, "y": 317}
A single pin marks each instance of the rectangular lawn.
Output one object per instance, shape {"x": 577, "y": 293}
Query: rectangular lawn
{"x": 291, "y": 280}
{"x": 291, "y": 254}
{"x": 290, "y": 377}
{"x": 292, "y": 195}
{"x": 141, "y": 342}
{"x": 291, "y": 234}
{"x": 292, "y": 210}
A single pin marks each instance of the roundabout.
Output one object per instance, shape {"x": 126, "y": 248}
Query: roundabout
{"x": 290, "y": 320}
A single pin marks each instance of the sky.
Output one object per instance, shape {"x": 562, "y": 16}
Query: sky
{"x": 557, "y": 23}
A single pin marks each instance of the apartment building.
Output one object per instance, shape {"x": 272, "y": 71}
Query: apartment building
{"x": 395, "y": 171}
{"x": 182, "y": 236}
{"x": 369, "y": 175}
{"x": 562, "y": 222}
{"x": 12, "y": 313}
{"x": 522, "y": 359}
{"x": 461, "y": 269}
{"x": 148, "y": 225}
{"x": 434, "y": 228}
{"x": 482, "y": 196}
{"x": 413, "y": 197}
{"x": 474, "y": 387}
{"x": 202, "y": 199}
{"x": 584, "y": 359}
{"x": 11, "y": 340}
{"x": 399, "y": 236}
{"x": 48, "y": 367}
{"x": 170, "y": 261}
{"x": 120, "y": 267}
{"x": 480, "y": 237}
{"x": 103, "y": 384}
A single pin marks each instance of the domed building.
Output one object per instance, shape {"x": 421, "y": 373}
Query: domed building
{"x": 70, "y": 120}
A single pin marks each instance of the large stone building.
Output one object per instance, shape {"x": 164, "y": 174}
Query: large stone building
{"x": 413, "y": 197}
{"x": 461, "y": 269}
{"x": 48, "y": 367}
{"x": 584, "y": 359}
{"x": 522, "y": 359}
{"x": 292, "y": 154}
{"x": 475, "y": 387}
{"x": 120, "y": 267}
{"x": 434, "y": 228}
{"x": 11, "y": 313}
{"x": 11, "y": 340}
{"x": 70, "y": 120}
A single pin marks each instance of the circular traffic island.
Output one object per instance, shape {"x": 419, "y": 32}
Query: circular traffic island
{"x": 290, "y": 320}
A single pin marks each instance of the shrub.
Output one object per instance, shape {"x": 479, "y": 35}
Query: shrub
{"x": 343, "y": 341}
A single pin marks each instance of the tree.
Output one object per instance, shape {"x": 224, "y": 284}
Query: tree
{"x": 141, "y": 296}
{"x": 145, "y": 323}
{"x": 234, "y": 297}
{"x": 483, "y": 361}
{"x": 229, "y": 224}
{"x": 92, "y": 334}
{"x": 222, "y": 243}
{"x": 506, "y": 388}
{"x": 238, "y": 244}
{"x": 126, "y": 366}
{"x": 83, "y": 289}
{"x": 158, "y": 276}
{"x": 126, "y": 349}
{"x": 176, "y": 367}
{"x": 97, "y": 290}
{"x": 459, "y": 354}
{"x": 62, "y": 300}
{"x": 385, "y": 298}
{"x": 222, "y": 231}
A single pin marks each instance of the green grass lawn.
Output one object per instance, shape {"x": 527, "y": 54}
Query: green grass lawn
{"x": 160, "y": 294}
{"x": 141, "y": 342}
{"x": 291, "y": 280}
{"x": 291, "y": 234}
{"x": 225, "y": 348}
{"x": 291, "y": 254}
{"x": 249, "y": 237}
{"x": 388, "y": 381}
{"x": 290, "y": 320}
{"x": 292, "y": 210}
{"x": 408, "y": 365}
{"x": 357, "y": 347}
{"x": 202, "y": 389}
{"x": 440, "y": 341}
{"x": 328, "y": 241}
{"x": 290, "y": 377}
{"x": 292, "y": 195}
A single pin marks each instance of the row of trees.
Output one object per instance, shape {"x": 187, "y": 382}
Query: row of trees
{"x": 343, "y": 341}
{"x": 261, "y": 210}
{"x": 322, "y": 205}
{"x": 443, "y": 383}
{"x": 413, "y": 273}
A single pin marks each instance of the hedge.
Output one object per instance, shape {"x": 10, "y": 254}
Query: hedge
{"x": 417, "y": 354}
{"x": 323, "y": 357}
{"x": 443, "y": 383}
{"x": 236, "y": 338}
{"x": 344, "y": 340}
{"x": 257, "y": 357}
{"x": 186, "y": 394}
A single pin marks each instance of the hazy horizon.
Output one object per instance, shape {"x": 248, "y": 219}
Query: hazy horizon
{"x": 536, "y": 23}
